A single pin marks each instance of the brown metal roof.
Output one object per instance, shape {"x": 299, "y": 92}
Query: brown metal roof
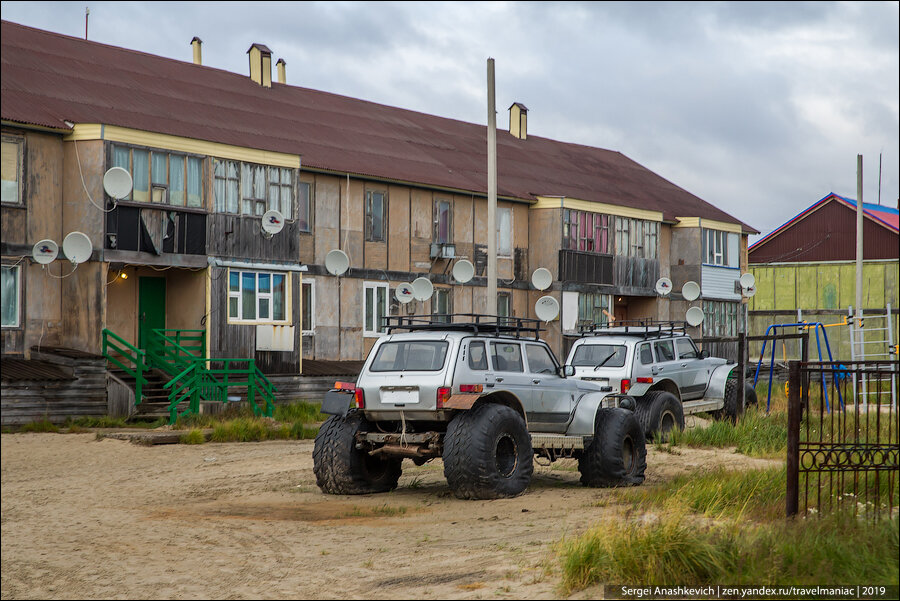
{"x": 48, "y": 78}
{"x": 13, "y": 370}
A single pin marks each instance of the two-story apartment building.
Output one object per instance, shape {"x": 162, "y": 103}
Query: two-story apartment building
{"x": 403, "y": 194}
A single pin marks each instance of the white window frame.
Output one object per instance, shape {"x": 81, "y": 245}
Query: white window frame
{"x": 258, "y": 296}
{"x": 308, "y": 329}
{"x": 20, "y": 156}
{"x": 308, "y": 187}
{"x": 442, "y": 293}
{"x": 17, "y": 271}
{"x": 715, "y": 247}
{"x": 371, "y": 330}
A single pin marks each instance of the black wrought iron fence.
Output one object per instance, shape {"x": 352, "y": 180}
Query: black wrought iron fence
{"x": 843, "y": 438}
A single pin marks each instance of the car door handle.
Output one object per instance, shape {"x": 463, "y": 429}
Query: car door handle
{"x": 684, "y": 365}
{"x": 499, "y": 379}
{"x": 535, "y": 381}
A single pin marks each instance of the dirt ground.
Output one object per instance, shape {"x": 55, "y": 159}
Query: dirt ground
{"x": 84, "y": 518}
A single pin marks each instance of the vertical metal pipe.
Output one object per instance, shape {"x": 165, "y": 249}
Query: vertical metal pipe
{"x": 491, "y": 300}
{"x": 859, "y": 243}
{"x": 793, "y": 441}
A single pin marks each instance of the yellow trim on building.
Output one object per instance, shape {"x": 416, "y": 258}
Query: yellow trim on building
{"x": 563, "y": 202}
{"x": 114, "y": 133}
{"x": 708, "y": 224}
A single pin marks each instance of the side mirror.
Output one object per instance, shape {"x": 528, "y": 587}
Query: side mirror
{"x": 566, "y": 371}
{"x": 704, "y": 354}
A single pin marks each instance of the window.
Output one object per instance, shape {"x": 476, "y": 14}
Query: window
{"x": 504, "y": 231}
{"x": 477, "y": 356}
{"x": 591, "y": 307}
{"x": 303, "y": 220}
{"x": 375, "y": 308}
{"x": 637, "y": 238}
{"x": 374, "y": 216}
{"x": 506, "y": 356}
{"x": 307, "y": 312}
{"x": 588, "y": 232}
{"x": 257, "y": 296}
{"x": 665, "y": 351}
{"x": 539, "y": 359}
{"x": 11, "y": 167}
{"x": 721, "y": 248}
{"x": 686, "y": 348}
{"x": 443, "y": 222}
{"x": 162, "y": 177}
{"x": 249, "y": 189}
{"x": 503, "y": 306}
{"x": 440, "y": 306}
{"x": 721, "y": 318}
{"x": 603, "y": 355}
{"x": 646, "y": 354}
{"x": 415, "y": 355}
{"x": 10, "y": 288}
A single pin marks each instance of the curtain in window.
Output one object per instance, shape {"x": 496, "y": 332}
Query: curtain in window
{"x": 303, "y": 207}
{"x": 158, "y": 173}
{"x": 248, "y": 295}
{"x": 176, "y": 180}
{"x": 278, "y": 297}
{"x": 194, "y": 182}
{"x": 287, "y": 193}
{"x": 274, "y": 190}
{"x": 9, "y": 285}
{"x": 504, "y": 232}
{"x": 141, "y": 175}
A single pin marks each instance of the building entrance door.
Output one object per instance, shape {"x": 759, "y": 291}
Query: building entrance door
{"x": 151, "y": 307}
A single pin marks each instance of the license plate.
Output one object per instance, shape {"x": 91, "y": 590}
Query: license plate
{"x": 399, "y": 397}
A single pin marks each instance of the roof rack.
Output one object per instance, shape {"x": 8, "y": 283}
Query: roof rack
{"x": 492, "y": 325}
{"x": 645, "y": 328}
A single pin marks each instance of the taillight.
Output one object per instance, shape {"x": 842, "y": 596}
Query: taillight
{"x": 471, "y": 387}
{"x": 359, "y": 398}
{"x": 443, "y": 395}
{"x": 344, "y": 386}
{"x": 645, "y": 380}
{"x": 626, "y": 384}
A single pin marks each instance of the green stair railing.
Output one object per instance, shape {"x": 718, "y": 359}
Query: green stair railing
{"x": 130, "y": 359}
{"x": 193, "y": 377}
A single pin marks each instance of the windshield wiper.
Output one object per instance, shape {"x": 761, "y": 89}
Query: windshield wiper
{"x": 602, "y": 363}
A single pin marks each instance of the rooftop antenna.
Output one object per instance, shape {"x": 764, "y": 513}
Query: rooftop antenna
{"x": 87, "y": 13}
{"x": 879, "y": 179}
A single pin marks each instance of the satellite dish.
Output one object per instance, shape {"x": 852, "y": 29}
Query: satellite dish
{"x": 117, "y": 183}
{"x": 694, "y": 316}
{"x": 404, "y": 293}
{"x": 422, "y": 288}
{"x": 463, "y": 271}
{"x": 690, "y": 291}
{"x": 748, "y": 280}
{"x": 748, "y": 291}
{"x": 663, "y": 286}
{"x": 541, "y": 278}
{"x": 77, "y": 247}
{"x": 272, "y": 223}
{"x": 337, "y": 262}
{"x": 546, "y": 308}
{"x": 45, "y": 252}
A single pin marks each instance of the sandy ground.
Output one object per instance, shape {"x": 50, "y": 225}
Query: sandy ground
{"x": 88, "y": 518}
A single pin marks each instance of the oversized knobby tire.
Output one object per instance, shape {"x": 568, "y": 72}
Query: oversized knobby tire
{"x": 488, "y": 453}
{"x": 750, "y": 394}
{"x": 733, "y": 408}
{"x": 617, "y": 456}
{"x": 659, "y": 412}
{"x": 341, "y": 468}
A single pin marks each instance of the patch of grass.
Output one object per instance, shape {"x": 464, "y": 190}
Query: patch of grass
{"x": 241, "y": 429}
{"x": 43, "y": 425}
{"x": 76, "y": 429}
{"x": 755, "y": 434}
{"x": 676, "y": 551}
{"x": 301, "y": 411}
{"x": 194, "y": 436}
{"x": 112, "y": 422}
{"x": 301, "y": 431}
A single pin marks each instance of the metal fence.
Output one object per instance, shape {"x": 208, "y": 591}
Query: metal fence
{"x": 843, "y": 449}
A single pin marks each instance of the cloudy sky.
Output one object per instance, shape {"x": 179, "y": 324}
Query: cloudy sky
{"x": 758, "y": 108}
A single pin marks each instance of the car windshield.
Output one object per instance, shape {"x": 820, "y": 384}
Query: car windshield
{"x": 592, "y": 355}
{"x": 411, "y": 355}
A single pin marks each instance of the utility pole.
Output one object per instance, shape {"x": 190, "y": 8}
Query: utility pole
{"x": 87, "y": 13}
{"x": 491, "y": 300}
{"x": 859, "y": 242}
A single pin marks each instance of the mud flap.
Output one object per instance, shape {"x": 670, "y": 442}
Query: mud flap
{"x": 337, "y": 402}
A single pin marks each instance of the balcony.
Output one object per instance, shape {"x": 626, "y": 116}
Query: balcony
{"x": 585, "y": 267}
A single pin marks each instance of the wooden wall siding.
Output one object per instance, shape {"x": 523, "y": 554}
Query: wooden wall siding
{"x": 84, "y": 307}
{"x": 398, "y": 238}
{"x": 78, "y": 214}
{"x": 635, "y": 273}
{"x": 13, "y": 340}
{"x": 544, "y": 240}
{"x": 585, "y": 267}
{"x": 520, "y": 265}
{"x": 307, "y": 241}
{"x": 328, "y": 217}
{"x": 350, "y": 298}
{"x": 15, "y": 230}
{"x": 353, "y": 207}
{"x": 828, "y": 234}
{"x": 235, "y": 341}
{"x": 824, "y": 286}
{"x": 240, "y": 238}
{"x": 85, "y": 395}
{"x": 420, "y": 223}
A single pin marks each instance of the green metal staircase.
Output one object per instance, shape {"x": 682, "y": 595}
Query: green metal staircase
{"x": 191, "y": 376}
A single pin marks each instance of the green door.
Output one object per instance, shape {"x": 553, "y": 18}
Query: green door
{"x": 151, "y": 307}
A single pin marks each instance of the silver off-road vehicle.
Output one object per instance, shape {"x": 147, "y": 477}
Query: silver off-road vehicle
{"x": 483, "y": 393}
{"x": 659, "y": 365}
